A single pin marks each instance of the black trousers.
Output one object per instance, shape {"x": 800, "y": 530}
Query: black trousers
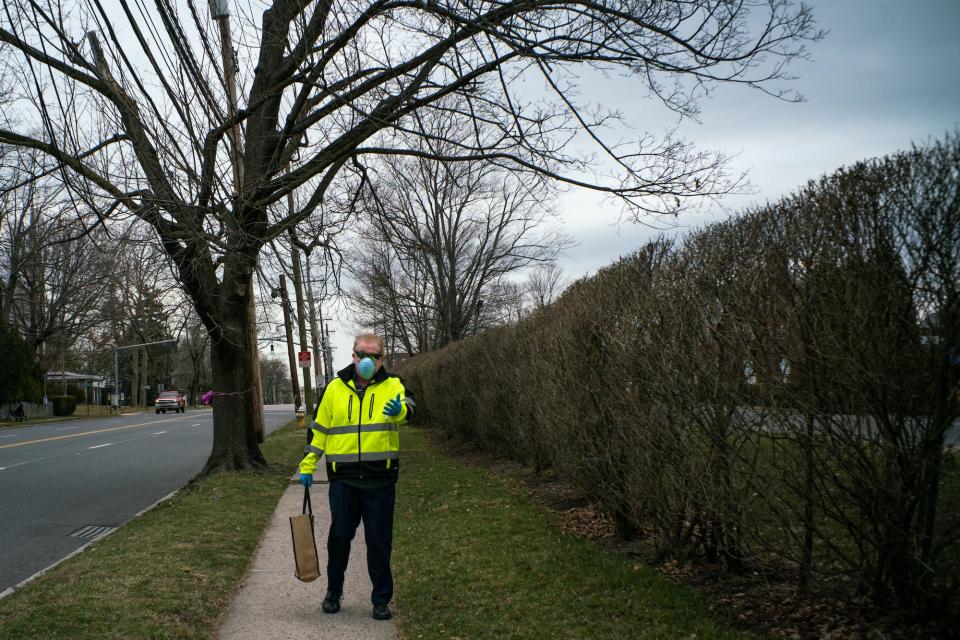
{"x": 348, "y": 506}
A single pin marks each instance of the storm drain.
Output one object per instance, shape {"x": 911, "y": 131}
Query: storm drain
{"x": 91, "y": 532}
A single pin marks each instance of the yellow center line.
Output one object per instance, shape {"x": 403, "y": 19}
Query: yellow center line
{"x": 85, "y": 433}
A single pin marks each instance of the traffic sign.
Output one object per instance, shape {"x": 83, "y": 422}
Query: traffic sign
{"x": 304, "y": 358}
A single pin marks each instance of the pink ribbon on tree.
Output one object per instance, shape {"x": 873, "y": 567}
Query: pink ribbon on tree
{"x": 208, "y": 396}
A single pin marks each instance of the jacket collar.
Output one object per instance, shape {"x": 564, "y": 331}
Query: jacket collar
{"x": 347, "y": 374}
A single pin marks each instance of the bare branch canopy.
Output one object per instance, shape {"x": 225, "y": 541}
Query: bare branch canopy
{"x": 324, "y": 83}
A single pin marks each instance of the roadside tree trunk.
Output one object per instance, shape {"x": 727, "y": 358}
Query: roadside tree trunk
{"x": 235, "y": 413}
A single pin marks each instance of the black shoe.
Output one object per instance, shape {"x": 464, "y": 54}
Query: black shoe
{"x": 331, "y": 603}
{"x": 381, "y": 612}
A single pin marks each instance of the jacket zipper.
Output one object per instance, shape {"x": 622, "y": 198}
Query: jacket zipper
{"x": 360, "y": 424}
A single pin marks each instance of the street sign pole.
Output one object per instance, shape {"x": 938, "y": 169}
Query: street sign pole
{"x": 304, "y": 359}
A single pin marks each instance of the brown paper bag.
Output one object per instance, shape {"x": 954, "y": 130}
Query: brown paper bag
{"x": 304, "y": 542}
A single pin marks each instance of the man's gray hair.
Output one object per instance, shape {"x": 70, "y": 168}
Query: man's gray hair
{"x": 367, "y": 337}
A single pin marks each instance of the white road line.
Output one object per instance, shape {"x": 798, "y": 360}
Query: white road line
{"x": 195, "y": 425}
{"x": 85, "y": 433}
{"x": 66, "y": 428}
{"x": 159, "y": 433}
{"x": 6, "y": 436}
{"x": 20, "y": 464}
{"x": 100, "y": 445}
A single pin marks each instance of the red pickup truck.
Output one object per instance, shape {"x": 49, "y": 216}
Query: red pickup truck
{"x": 170, "y": 401}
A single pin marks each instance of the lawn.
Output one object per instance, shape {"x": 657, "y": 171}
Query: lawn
{"x": 475, "y": 557}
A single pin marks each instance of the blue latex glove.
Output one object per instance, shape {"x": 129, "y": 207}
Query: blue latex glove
{"x": 306, "y": 479}
{"x": 393, "y": 407}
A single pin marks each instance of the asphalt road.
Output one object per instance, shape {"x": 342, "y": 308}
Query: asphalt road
{"x": 58, "y": 479}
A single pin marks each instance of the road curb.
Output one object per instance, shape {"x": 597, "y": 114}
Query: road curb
{"x": 11, "y": 590}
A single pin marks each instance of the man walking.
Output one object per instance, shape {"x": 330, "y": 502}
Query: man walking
{"x": 357, "y": 428}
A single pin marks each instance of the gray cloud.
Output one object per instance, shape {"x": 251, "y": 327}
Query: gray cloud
{"x": 884, "y": 77}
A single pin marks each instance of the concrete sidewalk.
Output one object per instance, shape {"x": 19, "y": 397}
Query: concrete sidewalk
{"x": 272, "y": 604}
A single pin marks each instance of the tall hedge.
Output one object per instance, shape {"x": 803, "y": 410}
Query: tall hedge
{"x": 771, "y": 391}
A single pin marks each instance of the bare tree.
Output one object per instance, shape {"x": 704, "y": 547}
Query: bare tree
{"x": 22, "y": 205}
{"x": 276, "y": 381}
{"x": 53, "y": 264}
{"x": 317, "y": 243}
{"x": 139, "y": 127}
{"x": 450, "y": 232}
{"x": 389, "y": 299}
{"x": 544, "y": 284}
{"x": 504, "y": 304}
{"x": 144, "y": 300}
{"x": 196, "y": 341}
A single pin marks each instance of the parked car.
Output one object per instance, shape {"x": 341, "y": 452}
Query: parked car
{"x": 170, "y": 401}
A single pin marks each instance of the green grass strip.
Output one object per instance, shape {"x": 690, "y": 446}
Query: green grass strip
{"x": 474, "y": 558}
{"x": 167, "y": 574}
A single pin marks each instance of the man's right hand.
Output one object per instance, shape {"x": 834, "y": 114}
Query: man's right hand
{"x": 306, "y": 479}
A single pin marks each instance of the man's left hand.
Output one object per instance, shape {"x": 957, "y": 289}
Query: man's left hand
{"x": 393, "y": 407}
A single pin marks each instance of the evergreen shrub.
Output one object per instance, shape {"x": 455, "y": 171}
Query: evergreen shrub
{"x": 64, "y": 405}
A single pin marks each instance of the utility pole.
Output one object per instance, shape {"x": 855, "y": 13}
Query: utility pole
{"x": 320, "y": 363}
{"x": 301, "y": 314}
{"x": 281, "y": 292}
{"x": 327, "y": 366}
{"x": 328, "y": 350}
{"x": 220, "y": 12}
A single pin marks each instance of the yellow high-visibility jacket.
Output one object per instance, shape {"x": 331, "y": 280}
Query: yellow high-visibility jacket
{"x": 352, "y": 431}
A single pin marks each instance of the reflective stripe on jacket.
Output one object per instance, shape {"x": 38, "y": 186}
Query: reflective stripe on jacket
{"x": 353, "y": 432}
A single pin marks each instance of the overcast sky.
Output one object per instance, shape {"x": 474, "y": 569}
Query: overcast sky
{"x": 887, "y": 74}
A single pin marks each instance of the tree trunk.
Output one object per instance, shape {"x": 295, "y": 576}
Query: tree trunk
{"x": 195, "y": 382}
{"x": 235, "y": 413}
